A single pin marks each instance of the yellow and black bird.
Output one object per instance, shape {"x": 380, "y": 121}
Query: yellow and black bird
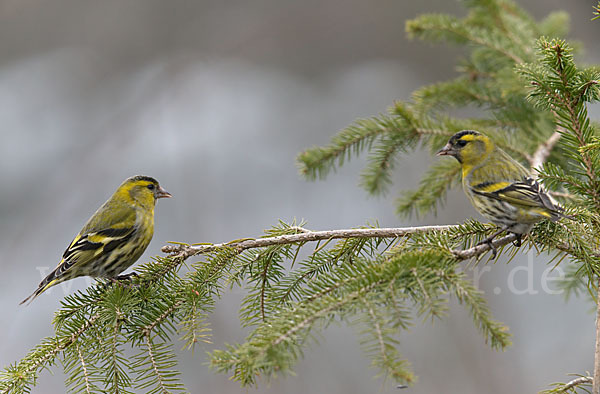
{"x": 113, "y": 238}
{"x": 499, "y": 187}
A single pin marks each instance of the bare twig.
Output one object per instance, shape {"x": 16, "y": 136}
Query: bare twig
{"x": 185, "y": 251}
{"x": 566, "y": 195}
{"x": 564, "y": 247}
{"x": 541, "y": 154}
{"x": 480, "y": 249}
{"x": 576, "y": 382}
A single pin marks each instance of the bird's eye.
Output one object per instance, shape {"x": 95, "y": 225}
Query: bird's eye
{"x": 461, "y": 143}
{"x": 150, "y": 186}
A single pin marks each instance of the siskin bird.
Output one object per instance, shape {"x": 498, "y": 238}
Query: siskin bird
{"x": 499, "y": 187}
{"x": 113, "y": 238}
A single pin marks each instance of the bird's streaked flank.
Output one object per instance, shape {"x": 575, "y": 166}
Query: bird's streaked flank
{"x": 499, "y": 187}
{"x": 113, "y": 238}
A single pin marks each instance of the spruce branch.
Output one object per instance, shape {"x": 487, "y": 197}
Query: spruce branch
{"x": 541, "y": 154}
{"x": 487, "y": 81}
{"x": 146, "y": 330}
{"x": 157, "y": 372}
{"x": 287, "y": 335}
{"x": 84, "y": 368}
{"x": 43, "y": 355}
{"x": 466, "y": 293}
{"x": 560, "y": 87}
{"x": 113, "y": 363}
{"x": 596, "y": 382}
{"x": 432, "y": 190}
{"x": 569, "y": 387}
{"x": 184, "y": 251}
{"x": 435, "y": 27}
{"x": 577, "y": 382}
{"x": 378, "y": 341}
{"x": 379, "y": 334}
{"x": 483, "y": 248}
{"x": 153, "y": 366}
{"x": 363, "y": 263}
{"x": 413, "y": 270}
{"x": 317, "y": 162}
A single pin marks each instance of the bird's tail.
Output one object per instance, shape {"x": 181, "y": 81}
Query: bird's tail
{"x": 48, "y": 282}
{"x": 559, "y": 213}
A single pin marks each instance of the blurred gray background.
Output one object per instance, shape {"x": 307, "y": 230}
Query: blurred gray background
{"x": 215, "y": 99}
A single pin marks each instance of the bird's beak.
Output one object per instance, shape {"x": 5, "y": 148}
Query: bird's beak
{"x": 162, "y": 193}
{"x": 447, "y": 151}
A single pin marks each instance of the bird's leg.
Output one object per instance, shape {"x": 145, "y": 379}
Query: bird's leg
{"x": 517, "y": 242}
{"x": 124, "y": 278}
{"x": 489, "y": 240}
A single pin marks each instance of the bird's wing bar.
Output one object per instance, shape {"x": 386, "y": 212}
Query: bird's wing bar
{"x": 527, "y": 192}
{"x": 87, "y": 246}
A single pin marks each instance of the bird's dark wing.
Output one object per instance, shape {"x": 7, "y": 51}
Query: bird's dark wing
{"x": 526, "y": 193}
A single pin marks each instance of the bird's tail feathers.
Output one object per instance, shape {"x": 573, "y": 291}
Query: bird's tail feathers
{"x": 559, "y": 213}
{"x": 564, "y": 215}
{"x": 48, "y": 282}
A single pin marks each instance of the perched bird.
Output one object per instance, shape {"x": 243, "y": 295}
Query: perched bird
{"x": 113, "y": 238}
{"x": 499, "y": 187}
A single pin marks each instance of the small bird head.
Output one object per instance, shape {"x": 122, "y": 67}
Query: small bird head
{"x": 468, "y": 147}
{"x": 143, "y": 190}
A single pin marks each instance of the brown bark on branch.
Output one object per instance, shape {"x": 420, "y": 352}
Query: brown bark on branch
{"x": 183, "y": 251}
{"x": 541, "y": 154}
{"x": 576, "y": 382}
